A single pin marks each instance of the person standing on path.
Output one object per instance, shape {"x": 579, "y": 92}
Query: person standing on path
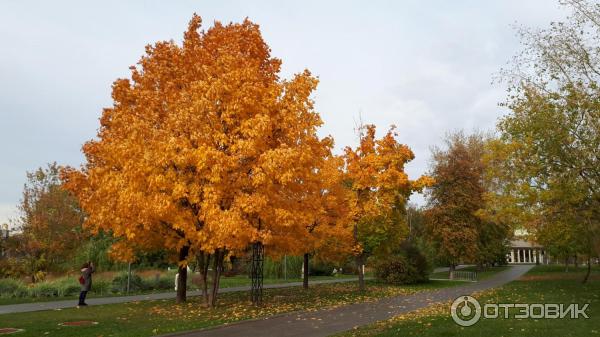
{"x": 86, "y": 281}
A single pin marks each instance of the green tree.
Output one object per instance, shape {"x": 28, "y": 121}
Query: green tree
{"x": 551, "y": 137}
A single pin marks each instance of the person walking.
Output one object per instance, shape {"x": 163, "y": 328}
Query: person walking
{"x": 86, "y": 281}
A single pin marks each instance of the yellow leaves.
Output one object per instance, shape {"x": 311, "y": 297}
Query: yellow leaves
{"x": 206, "y": 145}
{"x": 378, "y": 181}
{"x": 421, "y": 183}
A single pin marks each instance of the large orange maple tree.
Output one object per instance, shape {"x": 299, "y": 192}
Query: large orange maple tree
{"x": 205, "y": 149}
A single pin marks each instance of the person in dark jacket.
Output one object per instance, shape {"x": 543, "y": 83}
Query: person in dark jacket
{"x": 86, "y": 273}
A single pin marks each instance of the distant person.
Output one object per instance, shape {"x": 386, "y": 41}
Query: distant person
{"x": 86, "y": 281}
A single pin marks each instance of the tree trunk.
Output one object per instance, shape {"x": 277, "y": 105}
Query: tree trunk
{"x": 217, "y": 268}
{"x": 589, "y": 269}
{"x": 566, "y": 263}
{"x": 305, "y": 278}
{"x": 182, "y": 270}
{"x": 575, "y": 262}
{"x": 359, "y": 261}
{"x": 203, "y": 264}
{"x": 361, "y": 276}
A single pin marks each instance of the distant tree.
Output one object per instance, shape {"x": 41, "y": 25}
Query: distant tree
{"x": 453, "y": 225}
{"x": 50, "y": 221}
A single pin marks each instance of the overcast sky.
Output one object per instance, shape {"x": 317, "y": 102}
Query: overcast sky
{"x": 425, "y": 66}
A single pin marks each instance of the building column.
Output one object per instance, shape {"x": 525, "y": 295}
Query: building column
{"x": 522, "y": 255}
{"x": 543, "y": 257}
{"x": 529, "y": 253}
{"x": 535, "y": 256}
{"x": 518, "y": 259}
{"x": 512, "y": 256}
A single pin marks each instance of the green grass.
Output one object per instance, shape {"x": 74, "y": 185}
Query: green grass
{"x": 226, "y": 282}
{"x": 148, "y": 318}
{"x": 481, "y": 275}
{"x": 543, "y": 284}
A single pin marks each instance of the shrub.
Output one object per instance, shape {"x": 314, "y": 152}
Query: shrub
{"x": 160, "y": 282}
{"x": 67, "y": 286}
{"x": 12, "y": 288}
{"x": 407, "y": 265}
{"x": 11, "y": 267}
{"x": 119, "y": 283}
{"x": 103, "y": 286}
{"x": 44, "y": 289}
{"x": 165, "y": 282}
{"x": 69, "y": 289}
{"x": 320, "y": 269}
{"x": 349, "y": 267}
{"x": 273, "y": 269}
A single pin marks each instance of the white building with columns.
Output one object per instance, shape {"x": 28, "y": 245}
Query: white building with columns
{"x": 523, "y": 251}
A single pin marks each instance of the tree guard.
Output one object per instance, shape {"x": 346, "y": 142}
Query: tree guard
{"x": 258, "y": 257}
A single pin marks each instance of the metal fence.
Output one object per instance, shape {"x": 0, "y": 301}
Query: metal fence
{"x": 463, "y": 275}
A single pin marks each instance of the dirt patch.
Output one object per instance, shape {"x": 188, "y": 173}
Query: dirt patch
{"x": 78, "y": 323}
{"x": 6, "y": 331}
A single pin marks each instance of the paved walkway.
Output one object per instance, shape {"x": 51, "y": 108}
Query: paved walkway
{"x": 330, "y": 321}
{"x": 39, "y": 306}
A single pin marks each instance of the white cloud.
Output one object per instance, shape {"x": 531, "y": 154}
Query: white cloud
{"x": 425, "y": 67}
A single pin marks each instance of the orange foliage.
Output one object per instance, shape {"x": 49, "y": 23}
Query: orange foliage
{"x": 375, "y": 170}
{"x": 206, "y": 147}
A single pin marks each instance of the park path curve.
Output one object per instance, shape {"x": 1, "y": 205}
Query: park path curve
{"x": 330, "y": 321}
{"x": 55, "y": 305}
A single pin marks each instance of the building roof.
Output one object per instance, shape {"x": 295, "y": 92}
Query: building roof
{"x": 519, "y": 243}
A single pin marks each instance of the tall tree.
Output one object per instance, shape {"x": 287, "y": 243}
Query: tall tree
{"x": 50, "y": 222}
{"x": 205, "y": 149}
{"x": 375, "y": 176}
{"x": 453, "y": 225}
{"x": 329, "y": 232}
{"x": 553, "y": 129}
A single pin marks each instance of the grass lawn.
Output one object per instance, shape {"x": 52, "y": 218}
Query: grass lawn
{"x": 543, "y": 284}
{"x": 148, "y": 318}
{"x": 481, "y": 275}
{"x": 226, "y": 282}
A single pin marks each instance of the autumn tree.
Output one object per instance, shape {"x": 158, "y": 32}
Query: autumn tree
{"x": 379, "y": 189}
{"x": 50, "y": 221}
{"x": 328, "y": 230}
{"x": 552, "y": 132}
{"x": 205, "y": 150}
{"x": 454, "y": 225}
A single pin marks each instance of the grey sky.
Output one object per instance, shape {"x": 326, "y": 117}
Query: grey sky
{"x": 425, "y": 66}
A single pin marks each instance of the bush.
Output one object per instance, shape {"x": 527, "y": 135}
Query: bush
{"x": 407, "y": 265}
{"x": 44, "y": 289}
{"x": 67, "y": 286}
{"x": 277, "y": 269}
{"x": 161, "y": 282}
{"x": 11, "y": 267}
{"x": 320, "y": 269}
{"x": 165, "y": 282}
{"x": 102, "y": 286}
{"x": 12, "y": 288}
{"x": 119, "y": 283}
{"x": 69, "y": 290}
